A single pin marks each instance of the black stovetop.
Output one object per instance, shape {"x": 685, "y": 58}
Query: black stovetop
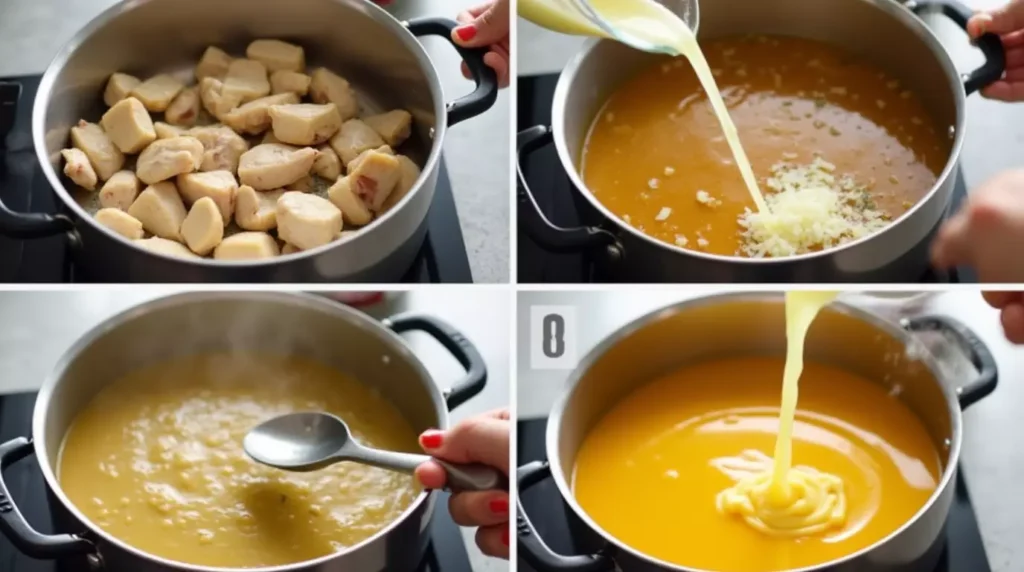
{"x": 963, "y": 552}
{"x": 446, "y": 552}
{"x": 562, "y": 204}
{"x": 24, "y": 188}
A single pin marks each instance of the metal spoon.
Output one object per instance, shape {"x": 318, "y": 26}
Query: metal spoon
{"x": 304, "y": 442}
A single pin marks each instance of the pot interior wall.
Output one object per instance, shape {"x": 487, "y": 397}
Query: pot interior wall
{"x": 247, "y": 324}
{"x": 722, "y": 327}
{"x": 878, "y": 32}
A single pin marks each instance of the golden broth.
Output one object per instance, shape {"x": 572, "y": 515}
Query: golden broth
{"x": 649, "y": 472}
{"x": 156, "y": 460}
{"x": 656, "y": 142}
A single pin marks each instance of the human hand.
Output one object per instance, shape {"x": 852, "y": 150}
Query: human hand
{"x": 1011, "y": 313}
{"x": 487, "y": 25}
{"x": 987, "y": 233}
{"x": 1008, "y": 23}
{"x": 481, "y": 439}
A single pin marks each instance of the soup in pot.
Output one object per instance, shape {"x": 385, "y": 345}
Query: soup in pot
{"x": 156, "y": 460}
{"x": 651, "y": 471}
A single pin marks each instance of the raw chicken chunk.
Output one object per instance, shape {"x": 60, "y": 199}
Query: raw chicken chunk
{"x": 306, "y": 184}
{"x": 253, "y": 118}
{"x": 165, "y": 158}
{"x": 394, "y": 126}
{"x": 246, "y": 80}
{"x": 78, "y": 169}
{"x": 257, "y": 210}
{"x": 157, "y": 92}
{"x": 203, "y": 228}
{"x": 284, "y": 81}
{"x": 120, "y": 222}
{"x": 328, "y": 87}
{"x": 277, "y": 55}
{"x": 327, "y": 164}
{"x": 220, "y": 186}
{"x": 120, "y": 191}
{"x": 353, "y": 210}
{"x": 353, "y": 138}
{"x": 374, "y": 178}
{"x": 214, "y": 63}
{"x": 216, "y": 100}
{"x": 409, "y": 173}
{"x": 164, "y": 246}
{"x": 166, "y": 130}
{"x": 184, "y": 110}
{"x": 268, "y": 137}
{"x": 354, "y": 163}
{"x": 290, "y": 249}
{"x": 105, "y": 157}
{"x": 128, "y": 125}
{"x": 222, "y": 147}
{"x": 119, "y": 86}
{"x": 305, "y": 123}
{"x": 307, "y": 221}
{"x": 247, "y": 246}
{"x": 272, "y": 165}
{"x": 160, "y": 210}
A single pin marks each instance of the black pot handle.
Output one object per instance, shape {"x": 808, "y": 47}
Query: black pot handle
{"x": 461, "y": 348}
{"x": 975, "y": 349}
{"x": 532, "y": 220}
{"x": 532, "y": 547}
{"x": 17, "y": 530}
{"x": 989, "y": 44}
{"x": 486, "y": 92}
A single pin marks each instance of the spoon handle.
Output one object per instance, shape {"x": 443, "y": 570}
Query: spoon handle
{"x": 461, "y": 477}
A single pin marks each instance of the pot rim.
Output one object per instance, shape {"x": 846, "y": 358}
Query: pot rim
{"x": 310, "y": 301}
{"x": 59, "y": 61}
{"x": 887, "y": 327}
{"x": 895, "y": 10}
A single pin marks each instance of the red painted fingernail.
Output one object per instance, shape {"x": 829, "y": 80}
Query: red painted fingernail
{"x": 504, "y": 537}
{"x": 431, "y": 439}
{"x": 499, "y": 506}
{"x": 466, "y": 33}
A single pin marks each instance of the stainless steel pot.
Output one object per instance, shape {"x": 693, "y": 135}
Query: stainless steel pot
{"x": 247, "y": 322}
{"x": 884, "y": 32}
{"x": 380, "y": 56}
{"x": 743, "y": 324}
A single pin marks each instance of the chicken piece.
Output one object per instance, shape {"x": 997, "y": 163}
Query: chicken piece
{"x": 220, "y": 186}
{"x": 120, "y": 222}
{"x": 277, "y": 55}
{"x": 105, "y": 157}
{"x": 164, "y": 246}
{"x": 246, "y": 80}
{"x": 78, "y": 169}
{"x": 409, "y": 173}
{"x": 374, "y": 178}
{"x": 120, "y": 191}
{"x": 184, "y": 110}
{"x": 165, "y": 158}
{"x": 394, "y": 127}
{"x": 351, "y": 166}
{"x": 290, "y": 249}
{"x": 353, "y": 138}
{"x": 353, "y": 210}
{"x": 119, "y": 86}
{"x": 160, "y": 210}
{"x": 128, "y": 125}
{"x": 284, "y": 81}
{"x": 268, "y": 137}
{"x": 166, "y": 130}
{"x": 326, "y": 86}
{"x": 247, "y": 246}
{"x": 307, "y": 221}
{"x": 214, "y": 63}
{"x": 222, "y": 147}
{"x": 216, "y": 100}
{"x": 203, "y": 228}
{"x": 257, "y": 210}
{"x": 157, "y": 92}
{"x": 253, "y": 118}
{"x": 272, "y": 165}
{"x": 305, "y": 185}
{"x": 327, "y": 164}
{"x": 305, "y": 123}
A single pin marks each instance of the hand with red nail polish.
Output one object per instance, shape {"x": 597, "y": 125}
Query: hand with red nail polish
{"x": 1011, "y": 313}
{"x": 487, "y": 25}
{"x": 1006, "y": 22}
{"x": 481, "y": 439}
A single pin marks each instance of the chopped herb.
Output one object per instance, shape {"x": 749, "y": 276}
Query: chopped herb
{"x": 820, "y": 102}
{"x": 834, "y": 132}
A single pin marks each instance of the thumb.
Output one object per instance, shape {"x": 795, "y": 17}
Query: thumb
{"x": 1003, "y": 20}
{"x": 476, "y": 440}
{"x": 489, "y": 27}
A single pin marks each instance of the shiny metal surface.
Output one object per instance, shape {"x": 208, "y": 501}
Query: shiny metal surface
{"x": 900, "y": 43}
{"x": 687, "y": 10}
{"x": 753, "y": 323}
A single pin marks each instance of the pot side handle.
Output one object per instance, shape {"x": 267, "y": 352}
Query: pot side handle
{"x": 486, "y": 92}
{"x": 14, "y": 526}
{"x": 975, "y": 349}
{"x": 461, "y": 349}
{"x": 989, "y": 44}
{"x": 532, "y": 547}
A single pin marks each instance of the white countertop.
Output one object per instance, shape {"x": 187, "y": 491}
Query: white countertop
{"x": 993, "y": 458}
